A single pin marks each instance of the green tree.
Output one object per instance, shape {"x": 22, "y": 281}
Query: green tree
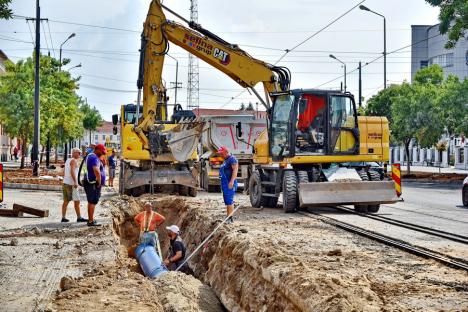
{"x": 5, "y": 11}
{"x": 415, "y": 114}
{"x": 433, "y": 74}
{"x": 453, "y": 18}
{"x": 242, "y": 107}
{"x": 453, "y": 102}
{"x": 250, "y": 107}
{"x": 381, "y": 103}
{"x": 92, "y": 118}
{"x": 59, "y": 102}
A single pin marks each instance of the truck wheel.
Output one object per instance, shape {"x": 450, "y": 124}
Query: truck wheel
{"x": 192, "y": 191}
{"x": 183, "y": 190}
{"x": 289, "y": 191}
{"x": 255, "y": 191}
{"x": 465, "y": 195}
{"x": 373, "y": 208}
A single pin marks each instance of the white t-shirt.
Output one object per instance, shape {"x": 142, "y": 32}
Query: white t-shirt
{"x": 67, "y": 178}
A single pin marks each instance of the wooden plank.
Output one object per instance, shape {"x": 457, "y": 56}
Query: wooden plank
{"x": 10, "y": 213}
{"x": 33, "y": 211}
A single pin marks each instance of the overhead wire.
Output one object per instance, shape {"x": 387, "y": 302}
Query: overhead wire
{"x": 45, "y": 37}
{"x": 50, "y": 36}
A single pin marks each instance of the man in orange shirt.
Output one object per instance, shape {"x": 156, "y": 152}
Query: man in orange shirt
{"x": 148, "y": 220}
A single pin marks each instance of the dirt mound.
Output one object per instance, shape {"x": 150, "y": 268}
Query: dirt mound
{"x": 181, "y": 292}
{"x": 109, "y": 290}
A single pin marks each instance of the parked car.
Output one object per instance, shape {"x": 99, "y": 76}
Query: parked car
{"x": 465, "y": 192}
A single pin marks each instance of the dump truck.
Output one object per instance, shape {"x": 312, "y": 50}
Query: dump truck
{"x": 221, "y": 131}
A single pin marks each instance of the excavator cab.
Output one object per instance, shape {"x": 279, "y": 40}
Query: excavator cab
{"x": 313, "y": 122}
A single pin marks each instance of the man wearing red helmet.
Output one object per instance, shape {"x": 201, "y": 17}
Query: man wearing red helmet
{"x": 94, "y": 180}
{"x": 228, "y": 176}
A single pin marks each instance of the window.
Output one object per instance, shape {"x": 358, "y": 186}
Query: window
{"x": 342, "y": 122}
{"x": 111, "y": 137}
{"x": 444, "y": 60}
{"x": 423, "y": 64}
{"x": 103, "y": 137}
{"x": 280, "y": 125}
{"x": 96, "y": 137}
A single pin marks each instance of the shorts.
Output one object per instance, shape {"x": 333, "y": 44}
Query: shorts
{"x": 93, "y": 193}
{"x": 111, "y": 173}
{"x": 70, "y": 193}
{"x": 228, "y": 194}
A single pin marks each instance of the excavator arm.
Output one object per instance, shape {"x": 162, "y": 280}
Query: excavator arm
{"x": 228, "y": 58}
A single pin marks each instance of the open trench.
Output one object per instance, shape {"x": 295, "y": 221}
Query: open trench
{"x": 221, "y": 263}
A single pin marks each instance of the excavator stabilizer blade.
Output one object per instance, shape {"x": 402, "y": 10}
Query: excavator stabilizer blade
{"x": 347, "y": 193}
{"x": 183, "y": 140}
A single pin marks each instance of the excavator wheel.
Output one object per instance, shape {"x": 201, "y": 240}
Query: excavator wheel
{"x": 361, "y": 208}
{"x": 255, "y": 191}
{"x": 303, "y": 176}
{"x": 290, "y": 196}
{"x": 373, "y": 176}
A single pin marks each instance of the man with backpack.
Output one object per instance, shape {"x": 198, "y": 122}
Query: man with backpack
{"x": 93, "y": 181}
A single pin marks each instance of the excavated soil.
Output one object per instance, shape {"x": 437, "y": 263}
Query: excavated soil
{"x": 270, "y": 261}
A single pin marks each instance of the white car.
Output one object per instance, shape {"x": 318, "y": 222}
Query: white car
{"x": 465, "y": 192}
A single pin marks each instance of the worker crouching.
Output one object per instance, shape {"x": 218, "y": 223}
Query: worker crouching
{"x": 177, "y": 250}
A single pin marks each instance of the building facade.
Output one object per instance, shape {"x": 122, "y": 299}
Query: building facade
{"x": 102, "y": 135}
{"x": 428, "y": 48}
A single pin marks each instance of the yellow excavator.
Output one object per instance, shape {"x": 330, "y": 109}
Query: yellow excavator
{"x": 316, "y": 149}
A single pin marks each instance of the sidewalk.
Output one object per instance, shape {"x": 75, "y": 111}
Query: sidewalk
{"x": 433, "y": 169}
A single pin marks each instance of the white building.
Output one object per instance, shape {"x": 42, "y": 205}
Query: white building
{"x": 102, "y": 135}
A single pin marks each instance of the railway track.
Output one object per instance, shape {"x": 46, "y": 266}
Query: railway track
{"x": 415, "y": 227}
{"x": 424, "y": 213}
{"x": 419, "y": 251}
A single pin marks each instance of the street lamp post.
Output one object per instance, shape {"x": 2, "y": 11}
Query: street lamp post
{"x": 364, "y": 8}
{"x": 176, "y": 78}
{"x": 60, "y": 56}
{"x": 77, "y": 66}
{"x": 344, "y": 66}
{"x": 69, "y": 37}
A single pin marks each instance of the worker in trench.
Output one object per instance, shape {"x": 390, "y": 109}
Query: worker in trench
{"x": 148, "y": 220}
{"x": 177, "y": 250}
{"x": 228, "y": 175}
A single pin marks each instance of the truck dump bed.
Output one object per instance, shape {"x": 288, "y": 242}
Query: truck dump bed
{"x": 221, "y": 131}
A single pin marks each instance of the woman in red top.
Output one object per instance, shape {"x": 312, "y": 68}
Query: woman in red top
{"x": 148, "y": 221}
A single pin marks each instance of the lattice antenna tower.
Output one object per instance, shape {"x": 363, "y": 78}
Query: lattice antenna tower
{"x": 193, "y": 83}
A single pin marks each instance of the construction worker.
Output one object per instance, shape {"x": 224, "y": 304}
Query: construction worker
{"x": 112, "y": 164}
{"x": 177, "y": 250}
{"x": 70, "y": 186}
{"x": 95, "y": 178}
{"x": 228, "y": 176}
{"x": 148, "y": 220}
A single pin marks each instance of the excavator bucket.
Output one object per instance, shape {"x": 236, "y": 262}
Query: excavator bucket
{"x": 347, "y": 193}
{"x": 184, "y": 138}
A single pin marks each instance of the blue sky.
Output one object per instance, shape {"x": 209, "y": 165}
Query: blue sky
{"x": 109, "y": 58}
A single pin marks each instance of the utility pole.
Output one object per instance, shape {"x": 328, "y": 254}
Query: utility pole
{"x": 35, "y": 149}
{"x": 360, "y": 85}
